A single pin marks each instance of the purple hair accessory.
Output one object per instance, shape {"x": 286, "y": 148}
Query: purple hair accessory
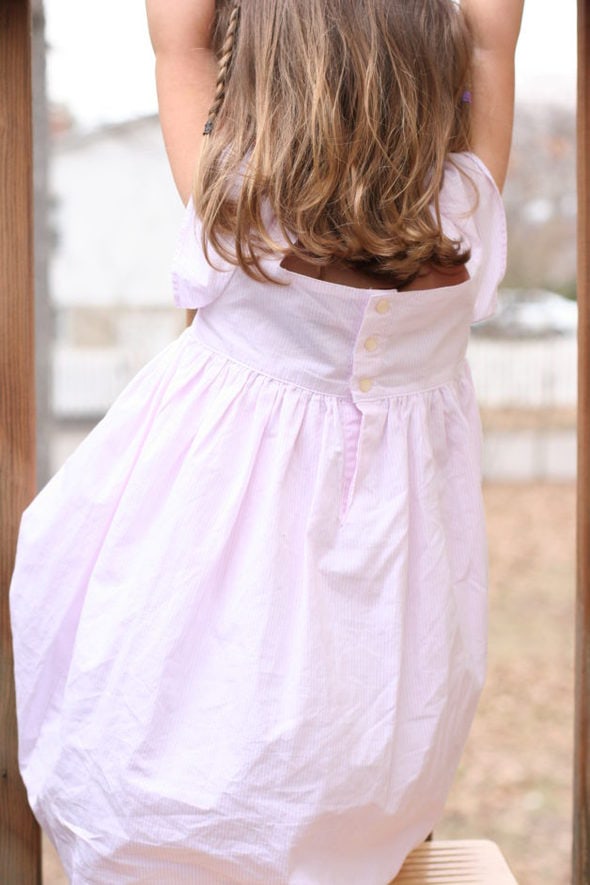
{"x": 466, "y": 97}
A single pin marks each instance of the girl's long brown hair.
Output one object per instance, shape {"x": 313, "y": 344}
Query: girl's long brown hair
{"x": 334, "y": 117}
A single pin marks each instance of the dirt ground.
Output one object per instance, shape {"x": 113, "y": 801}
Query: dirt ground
{"x": 514, "y": 783}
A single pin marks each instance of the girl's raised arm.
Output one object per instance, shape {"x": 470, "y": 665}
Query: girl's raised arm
{"x": 495, "y": 25}
{"x": 186, "y": 69}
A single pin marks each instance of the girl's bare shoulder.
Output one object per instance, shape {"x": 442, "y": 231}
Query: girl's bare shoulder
{"x": 430, "y": 277}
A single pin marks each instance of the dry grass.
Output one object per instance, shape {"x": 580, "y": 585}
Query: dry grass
{"x": 564, "y": 418}
{"x": 514, "y": 784}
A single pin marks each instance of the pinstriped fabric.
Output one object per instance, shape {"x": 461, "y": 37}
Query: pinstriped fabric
{"x": 249, "y": 613}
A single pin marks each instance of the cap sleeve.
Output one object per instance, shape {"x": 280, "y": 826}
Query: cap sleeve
{"x": 195, "y": 283}
{"x": 472, "y": 210}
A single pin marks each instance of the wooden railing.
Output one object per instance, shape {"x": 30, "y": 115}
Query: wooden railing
{"x": 20, "y": 849}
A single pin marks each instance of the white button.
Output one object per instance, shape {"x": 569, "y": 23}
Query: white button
{"x": 382, "y": 305}
{"x": 371, "y": 344}
{"x": 365, "y": 384}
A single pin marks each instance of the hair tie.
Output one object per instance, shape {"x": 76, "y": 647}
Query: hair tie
{"x": 466, "y": 97}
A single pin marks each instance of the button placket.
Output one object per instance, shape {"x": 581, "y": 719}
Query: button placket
{"x": 382, "y": 306}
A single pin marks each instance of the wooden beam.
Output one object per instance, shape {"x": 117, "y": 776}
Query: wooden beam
{"x": 581, "y": 846}
{"x": 20, "y": 849}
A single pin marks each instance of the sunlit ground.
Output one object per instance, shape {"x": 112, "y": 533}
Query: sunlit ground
{"x": 515, "y": 782}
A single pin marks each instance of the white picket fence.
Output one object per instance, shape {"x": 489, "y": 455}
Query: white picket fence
{"x": 525, "y": 374}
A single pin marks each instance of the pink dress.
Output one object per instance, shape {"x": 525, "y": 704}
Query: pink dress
{"x": 249, "y": 612}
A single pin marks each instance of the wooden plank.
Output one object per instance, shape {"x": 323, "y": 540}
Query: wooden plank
{"x": 473, "y": 862}
{"x": 581, "y": 845}
{"x": 43, "y": 240}
{"x": 20, "y": 846}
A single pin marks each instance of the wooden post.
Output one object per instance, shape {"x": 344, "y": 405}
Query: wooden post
{"x": 581, "y": 847}
{"x": 42, "y": 237}
{"x": 20, "y": 850}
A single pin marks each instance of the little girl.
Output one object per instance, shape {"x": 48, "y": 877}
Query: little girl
{"x": 249, "y": 612}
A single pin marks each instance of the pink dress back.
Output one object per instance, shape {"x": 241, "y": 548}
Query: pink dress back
{"x": 249, "y": 612}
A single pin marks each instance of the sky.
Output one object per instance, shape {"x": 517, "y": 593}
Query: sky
{"x": 100, "y": 61}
